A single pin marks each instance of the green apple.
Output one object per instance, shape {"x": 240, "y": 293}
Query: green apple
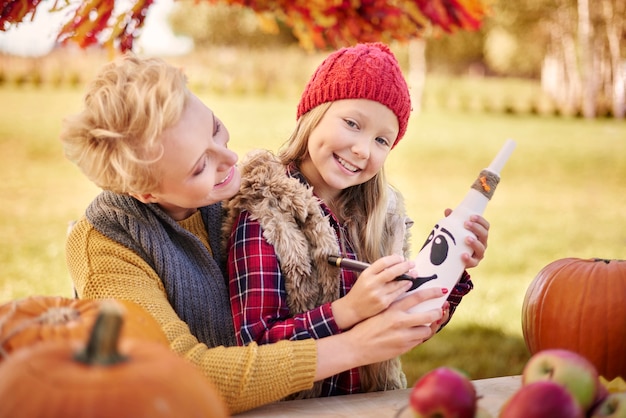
{"x": 541, "y": 399}
{"x": 613, "y": 406}
{"x": 601, "y": 395}
{"x": 573, "y": 371}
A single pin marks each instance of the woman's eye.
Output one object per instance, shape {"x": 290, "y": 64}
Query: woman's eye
{"x": 217, "y": 127}
{"x": 202, "y": 167}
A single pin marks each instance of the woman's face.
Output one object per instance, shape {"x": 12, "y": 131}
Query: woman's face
{"x": 197, "y": 169}
{"x": 349, "y": 145}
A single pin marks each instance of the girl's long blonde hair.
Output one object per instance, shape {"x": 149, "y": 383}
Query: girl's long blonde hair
{"x": 362, "y": 207}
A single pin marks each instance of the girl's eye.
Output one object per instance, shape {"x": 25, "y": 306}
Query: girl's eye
{"x": 351, "y": 123}
{"x": 382, "y": 141}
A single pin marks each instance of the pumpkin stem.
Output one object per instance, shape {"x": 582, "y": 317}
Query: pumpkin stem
{"x": 103, "y": 341}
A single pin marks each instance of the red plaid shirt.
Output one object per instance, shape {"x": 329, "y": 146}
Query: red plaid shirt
{"x": 259, "y": 300}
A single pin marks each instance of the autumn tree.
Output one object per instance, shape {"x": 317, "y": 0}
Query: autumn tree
{"x": 316, "y": 24}
{"x": 574, "y": 48}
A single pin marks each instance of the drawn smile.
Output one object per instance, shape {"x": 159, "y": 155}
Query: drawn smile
{"x": 417, "y": 281}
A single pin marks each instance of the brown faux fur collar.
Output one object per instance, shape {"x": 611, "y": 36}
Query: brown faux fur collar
{"x": 294, "y": 224}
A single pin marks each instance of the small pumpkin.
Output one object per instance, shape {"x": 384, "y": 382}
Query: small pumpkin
{"x": 33, "y": 319}
{"x": 579, "y": 305}
{"x": 106, "y": 377}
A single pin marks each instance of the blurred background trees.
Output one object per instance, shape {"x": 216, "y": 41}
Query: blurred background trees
{"x": 574, "y": 49}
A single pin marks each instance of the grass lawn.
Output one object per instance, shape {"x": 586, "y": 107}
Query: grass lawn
{"x": 561, "y": 195}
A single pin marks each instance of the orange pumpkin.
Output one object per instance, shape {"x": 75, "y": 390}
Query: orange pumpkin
{"x": 43, "y": 318}
{"x": 103, "y": 379}
{"x": 578, "y": 304}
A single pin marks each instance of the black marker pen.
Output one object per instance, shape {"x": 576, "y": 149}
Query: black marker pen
{"x": 355, "y": 265}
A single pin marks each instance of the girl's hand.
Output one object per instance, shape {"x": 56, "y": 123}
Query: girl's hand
{"x": 479, "y": 227}
{"x": 373, "y": 292}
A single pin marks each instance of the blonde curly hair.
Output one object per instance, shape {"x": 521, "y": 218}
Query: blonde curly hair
{"x": 116, "y": 139}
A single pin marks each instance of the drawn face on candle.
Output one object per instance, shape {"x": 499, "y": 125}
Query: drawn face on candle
{"x": 438, "y": 244}
{"x": 440, "y": 240}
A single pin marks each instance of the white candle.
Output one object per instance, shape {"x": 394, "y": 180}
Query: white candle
{"x": 440, "y": 258}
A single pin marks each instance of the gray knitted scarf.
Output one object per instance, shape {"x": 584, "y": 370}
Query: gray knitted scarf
{"x": 194, "y": 281}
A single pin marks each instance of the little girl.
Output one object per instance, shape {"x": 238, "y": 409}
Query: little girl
{"x": 326, "y": 194}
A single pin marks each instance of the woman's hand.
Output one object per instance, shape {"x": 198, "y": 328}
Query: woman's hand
{"x": 381, "y": 337}
{"x": 373, "y": 292}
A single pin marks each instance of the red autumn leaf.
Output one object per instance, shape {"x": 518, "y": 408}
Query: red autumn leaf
{"x": 89, "y": 21}
{"x": 316, "y": 23}
{"x": 14, "y": 11}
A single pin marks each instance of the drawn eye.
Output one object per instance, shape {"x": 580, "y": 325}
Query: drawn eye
{"x": 439, "y": 250}
{"x": 429, "y": 239}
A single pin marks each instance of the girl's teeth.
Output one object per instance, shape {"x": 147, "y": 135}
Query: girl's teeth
{"x": 347, "y": 165}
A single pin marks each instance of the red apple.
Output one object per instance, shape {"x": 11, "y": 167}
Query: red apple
{"x": 613, "y": 406}
{"x": 443, "y": 393}
{"x": 571, "y": 370}
{"x": 541, "y": 399}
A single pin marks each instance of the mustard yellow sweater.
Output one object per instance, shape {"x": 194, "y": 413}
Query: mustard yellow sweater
{"x": 246, "y": 377}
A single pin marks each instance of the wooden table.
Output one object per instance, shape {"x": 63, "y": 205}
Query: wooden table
{"x": 492, "y": 392}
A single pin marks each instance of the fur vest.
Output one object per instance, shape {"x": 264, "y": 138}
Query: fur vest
{"x": 303, "y": 238}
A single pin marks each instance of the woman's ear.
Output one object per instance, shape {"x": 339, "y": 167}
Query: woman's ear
{"x": 144, "y": 197}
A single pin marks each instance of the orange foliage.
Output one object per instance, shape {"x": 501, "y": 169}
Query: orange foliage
{"x": 317, "y": 24}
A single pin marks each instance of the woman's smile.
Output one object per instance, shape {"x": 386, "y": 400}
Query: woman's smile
{"x": 226, "y": 179}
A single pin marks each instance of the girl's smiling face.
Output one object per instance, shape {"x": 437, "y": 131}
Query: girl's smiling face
{"x": 349, "y": 145}
{"x": 196, "y": 169}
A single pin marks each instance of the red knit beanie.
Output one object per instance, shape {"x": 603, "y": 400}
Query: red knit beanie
{"x": 365, "y": 71}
